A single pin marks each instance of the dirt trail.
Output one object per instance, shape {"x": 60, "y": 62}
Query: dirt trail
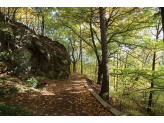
{"x": 62, "y": 98}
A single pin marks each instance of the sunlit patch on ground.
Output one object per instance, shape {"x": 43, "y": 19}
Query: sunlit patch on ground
{"x": 60, "y": 98}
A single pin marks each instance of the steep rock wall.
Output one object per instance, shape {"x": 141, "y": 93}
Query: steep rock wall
{"x": 30, "y": 53}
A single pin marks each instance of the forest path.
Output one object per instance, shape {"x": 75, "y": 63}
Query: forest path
{"x": 66, "y": 97}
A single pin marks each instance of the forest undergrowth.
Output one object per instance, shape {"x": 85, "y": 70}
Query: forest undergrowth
{"x": 131, "y": 104}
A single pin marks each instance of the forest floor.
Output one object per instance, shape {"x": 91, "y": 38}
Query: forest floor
{"x": 65, "y": 97}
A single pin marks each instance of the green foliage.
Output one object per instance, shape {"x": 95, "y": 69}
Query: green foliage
{"x": 13, "y": 89}
{"x": 32, "y": 82}
{"x": 23, "y": 58}
{"x": 1, "y": 63}
{"x": 2, "y": 90}
{"x": 14, "y": 80}
{"x": 3, "y": 78}
{"x": 14, "y": 110}
{"x": 104, "y": 96}
{"x": 5, "y": 56}
{"x": 134, "y": 113}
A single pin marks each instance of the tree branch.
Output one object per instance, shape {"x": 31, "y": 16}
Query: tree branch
{"x": 79, "y": 36}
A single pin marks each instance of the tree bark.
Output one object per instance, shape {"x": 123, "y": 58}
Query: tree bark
{"x": 26, "y": 17}
{"x": 152, "y": 84}
{"x": 9, "y": 12}
{"x": 74, "y": 67}
{"x": 99, "y": 79}
{"x": 153, "y": 69}
{"x": 38, "y": 25}
{"x": 95, "y": 68}
{"x": 105, "y": 82}
{"x": 114, "y": 73}
{"x": 42, "y": 25}
{"x": 162, "y": 14}
{"x": 81, "y": 53}
{"x": 117, "y": 74}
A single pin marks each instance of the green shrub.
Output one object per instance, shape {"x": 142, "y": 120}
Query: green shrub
{"x": 11, "y": 110}
{"x": 14, "y": 80}
{"x": 13, "y": 90}
{"x": 3, "y": 78}
{"x": 31, "y": 82}
{"x": 104, "y": 96}
{"x": 1, "y": 63}
{"x": 2, "y": 90}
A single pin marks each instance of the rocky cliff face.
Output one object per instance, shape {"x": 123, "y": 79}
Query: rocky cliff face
{"x": 25, "y": 52}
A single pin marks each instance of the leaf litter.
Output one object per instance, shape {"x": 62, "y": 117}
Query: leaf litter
{"x": 61, "y": 98}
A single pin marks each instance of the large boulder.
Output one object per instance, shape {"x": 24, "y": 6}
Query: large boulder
{"x": 25, "y": 52}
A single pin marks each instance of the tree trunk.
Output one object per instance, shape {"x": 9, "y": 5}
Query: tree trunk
{"x": 74, "y": 67}
{"x": 4, "y": 16}
{"x": 13, "y": 20}
{"x": 153, "y": 69}
{"x": 105, "y": 82}
{"x": 9, "y": 12}
{"x": 96, "y": 69}
{"x": 152, "y": 84}
{"x": 81, "y": 53}
{"x": 114, "y": 73}
{"x": 42, "y": 25}
{"x": 162, "y": 14}
{"x": 99, "y": 79}
{"x": 26, "y": 17}
{"x": 38, "y": 25}
{"x": 117, "y": 74}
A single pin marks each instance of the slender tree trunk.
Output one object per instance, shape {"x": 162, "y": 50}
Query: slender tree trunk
{"x": 126, "y": 64}
{"x": 153, "y": 69}
{"x": 9, "y": 12}
{"x": 162, "y": 14}
{"x": 117, "y": 74}
{"x": 114, "y": 73}
{"x": 152, "y": 84}
{"x": 74, "y": 67}
{"x": 42, "y": 25}
{"x": 96, "y": 69}
{"x": 84, "y": 67}
{"x": 105, "y": 82}
{"x": 4, "y": 16}
{"x": 81, "y": 53}
{"x": 99, "y": 79}
{"x": 38, "y": 25}
{"x": 26, "y": 17}
{"x": 13, "y": 20}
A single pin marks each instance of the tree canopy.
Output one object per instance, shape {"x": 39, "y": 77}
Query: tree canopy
{"x": 132, "y": 37}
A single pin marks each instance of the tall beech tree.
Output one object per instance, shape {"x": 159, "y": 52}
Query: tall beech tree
{"x": 121, "y": 24}
{"x": 105, "y": 82}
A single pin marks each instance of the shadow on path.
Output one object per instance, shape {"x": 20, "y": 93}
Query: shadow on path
{"x": 62, "y": 98}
